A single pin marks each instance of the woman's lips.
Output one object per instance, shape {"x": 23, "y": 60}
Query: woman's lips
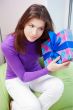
{"x": 34, "y": 37}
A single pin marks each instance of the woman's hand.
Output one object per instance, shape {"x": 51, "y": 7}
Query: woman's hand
{"x": 53, "y": 66}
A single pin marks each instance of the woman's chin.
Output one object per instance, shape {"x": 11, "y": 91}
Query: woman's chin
{"x": 31, "y": 40}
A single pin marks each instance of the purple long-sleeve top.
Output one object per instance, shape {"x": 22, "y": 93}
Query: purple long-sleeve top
{"x": 25, "y": 66}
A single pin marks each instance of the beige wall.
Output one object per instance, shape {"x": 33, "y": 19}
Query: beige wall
{"x": 10, "y": 12}
{"x": 59, "y": 13}
{"x": 71, "y": 27}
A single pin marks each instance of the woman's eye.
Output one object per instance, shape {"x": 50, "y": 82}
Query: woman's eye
{"x": 31, "y": 26}
{"x": 41, "y": 29}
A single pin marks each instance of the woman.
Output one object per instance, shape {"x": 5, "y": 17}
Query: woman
{"x": 24, "y": 74}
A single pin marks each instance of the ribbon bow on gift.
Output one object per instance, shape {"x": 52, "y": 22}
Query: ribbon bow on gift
{"x": 55, "y": 46}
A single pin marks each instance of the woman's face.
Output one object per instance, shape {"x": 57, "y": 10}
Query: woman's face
{"x": 34, "y": 29}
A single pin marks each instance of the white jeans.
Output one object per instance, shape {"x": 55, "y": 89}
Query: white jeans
{"x": 50, "y": 87}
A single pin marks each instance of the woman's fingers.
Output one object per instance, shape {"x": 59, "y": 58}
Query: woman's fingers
{"x": 63, "y": 64}
{"x": 66, "y": 63}
{"x": 55, "y": 60}
{"x": 53, "y": 66}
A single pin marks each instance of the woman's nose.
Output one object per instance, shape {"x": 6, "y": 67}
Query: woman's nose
{"x": 34, "y": 31}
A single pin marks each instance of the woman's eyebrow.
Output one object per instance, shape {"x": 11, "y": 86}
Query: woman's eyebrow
{"x": 36, "y": 26}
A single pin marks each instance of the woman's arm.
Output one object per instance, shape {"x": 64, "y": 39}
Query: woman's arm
{"x": 17, "y": 67}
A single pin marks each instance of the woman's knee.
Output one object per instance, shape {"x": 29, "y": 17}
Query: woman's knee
{"x": 59, "y": 86}
{"x": 35, "y": 105}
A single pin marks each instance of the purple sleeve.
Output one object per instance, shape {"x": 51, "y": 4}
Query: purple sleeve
{"x": 17, "y": 67}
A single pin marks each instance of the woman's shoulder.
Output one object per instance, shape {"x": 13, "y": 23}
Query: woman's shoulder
{"x": 7, "y": 46}
{"x": 8, "y": 42}
{"x": 9, "y": 39}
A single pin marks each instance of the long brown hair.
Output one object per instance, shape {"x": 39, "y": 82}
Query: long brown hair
{"x": 34, "y": 11}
